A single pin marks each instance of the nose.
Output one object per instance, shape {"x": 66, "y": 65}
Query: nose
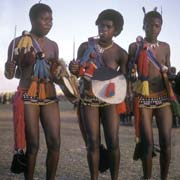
{"x": 49, "y": 23}
{"x": 104, "y": 28}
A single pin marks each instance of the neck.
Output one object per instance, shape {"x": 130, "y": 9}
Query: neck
{"x": 36, "y": 36}
{"x": 103, "y": 47}
{"x": 105, "y": 44}
{"x": 150, "y": 40}
{"x": 151, "y": 43}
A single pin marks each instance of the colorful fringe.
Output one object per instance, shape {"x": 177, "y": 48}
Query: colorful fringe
{"x": 25, "y": 43}
{"x": 89, "y": 69}
{"x": 143, "y": 72}
{"x": 40, "y": 78}
{"x": 18, "y": 119}
{"x": 137, "y": 119}
{"x": 121, "y": 108}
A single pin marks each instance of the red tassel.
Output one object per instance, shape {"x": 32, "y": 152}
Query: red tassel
{"x": 90, "y": 69}
{"x": 82, "y": 69}
{"x": 121, "y": 108}
{"x": 143, "y": 64}
{"x": 137, "y": 118}
{"x": 18, "y": 118}
{"x": 110, "y": 90}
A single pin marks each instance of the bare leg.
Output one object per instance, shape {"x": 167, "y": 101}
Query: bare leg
{"x": 91, "y": 123}
{"x": 110, "y": 121}
{"x": 147, "y": 141}
{"x": 164, "y": 122}
{"x": 32, "y": 137}
{"x": 81, "y": 116}
{"x": 50, "y": 119}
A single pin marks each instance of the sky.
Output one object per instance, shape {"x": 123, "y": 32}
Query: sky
{"x": 75, "y": 20}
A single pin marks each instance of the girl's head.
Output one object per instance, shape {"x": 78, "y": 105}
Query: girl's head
{"x": 151, "y": 15}
{"x": 41, "y": 19}
{"x": 114, "y": 16}
{"x": 152, "y": 24}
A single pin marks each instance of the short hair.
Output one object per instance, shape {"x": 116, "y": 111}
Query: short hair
{"x": 115, "y": 16}
{"x": 150, "y": 15}
{"x": 37, "y": 9}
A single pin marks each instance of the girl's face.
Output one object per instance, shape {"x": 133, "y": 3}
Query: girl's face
{"x": 152, "y": 28}
{"x": 106, "y": 30}
{"x": 42, "y": 24}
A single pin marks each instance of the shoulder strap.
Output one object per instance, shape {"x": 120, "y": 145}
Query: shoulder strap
{"x": 87, "y": 53}
{"x": 36, "y": 45}
{"x": 92, "y": 49}
{"x": 139, "y": 46}
{"x": 153, "y": 59}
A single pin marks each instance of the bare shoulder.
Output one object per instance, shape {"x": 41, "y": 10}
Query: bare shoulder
{"x": 164, "y": 44}
{"x": 122, "y": 57}
{"x": 122, "y": 52}
{"x": 82, "y": 48}
{"x": 51, "y": 43}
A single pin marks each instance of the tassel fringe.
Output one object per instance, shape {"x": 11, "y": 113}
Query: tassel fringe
{"x": 42, "y": 93}
{"x": 32, "y": 91}
{"x": 145, "y": 88}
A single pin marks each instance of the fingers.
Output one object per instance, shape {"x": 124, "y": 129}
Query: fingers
{"x": 74, "y": 66}
{"x": 10, "y": 66}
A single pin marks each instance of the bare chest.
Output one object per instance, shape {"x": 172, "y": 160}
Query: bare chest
{"x": 111, "y": 59}
{"x": 161, "y": 56}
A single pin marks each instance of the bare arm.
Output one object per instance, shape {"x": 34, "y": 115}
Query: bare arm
{"x": 168, "y": 63}
{"x": 123, "y": 62}
{"x": 56, "y": 49}
{"x": 10, "y": 64}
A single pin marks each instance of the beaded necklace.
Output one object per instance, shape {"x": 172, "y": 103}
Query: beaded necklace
{"x": 101, "y": 50}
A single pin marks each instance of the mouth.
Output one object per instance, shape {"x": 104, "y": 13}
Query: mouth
{"x": 102, "y": 35}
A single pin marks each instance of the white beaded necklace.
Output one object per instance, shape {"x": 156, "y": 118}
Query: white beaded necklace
{"x": 101, "y": 49}
{"x": 152, "y": 45}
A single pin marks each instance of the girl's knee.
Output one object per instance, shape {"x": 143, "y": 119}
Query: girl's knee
{"x": 165, "y": 148}
{"x": 147, "y": 149}
{"x": 32, "y": 148}
{"x": 113, "y": 144}
{"x": 92, "y": 144}
{"x": 53, "y": 145}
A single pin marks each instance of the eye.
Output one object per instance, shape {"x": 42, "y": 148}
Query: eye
{"x": 109, "y": 26}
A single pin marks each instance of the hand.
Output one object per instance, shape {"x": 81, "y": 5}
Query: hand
{"x": 74, "y": 67}
{"x": 10, "y": 69}
{"x": 10, "y": 66}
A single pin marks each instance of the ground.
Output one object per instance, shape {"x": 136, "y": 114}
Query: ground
{"x": 73, "y": 164}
